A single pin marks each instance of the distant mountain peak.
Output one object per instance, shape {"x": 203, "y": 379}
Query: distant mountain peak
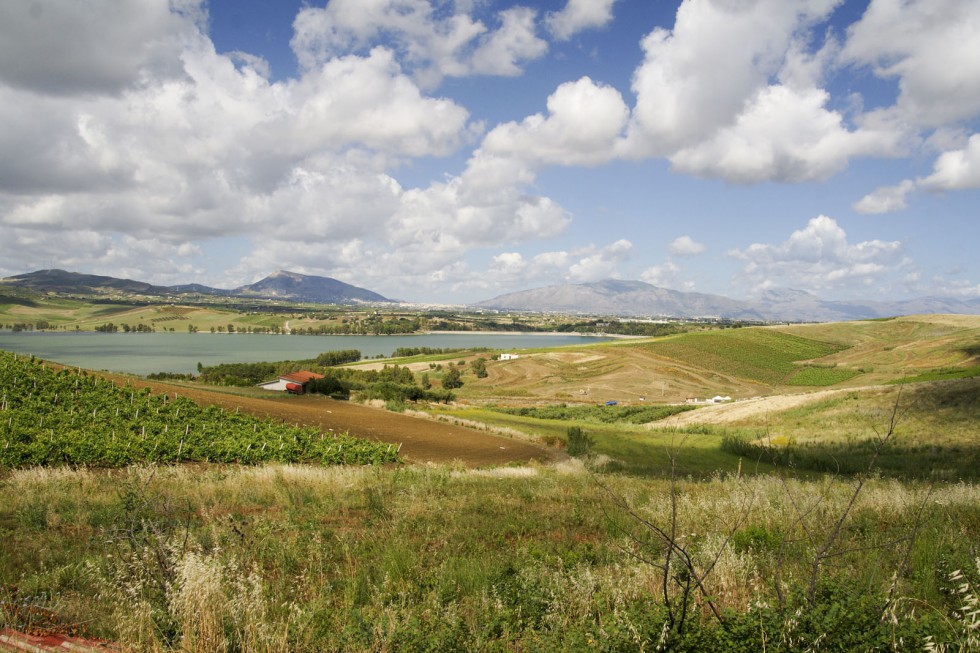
{"x": 787, "y": 294}
{"x": 283, "y": 284}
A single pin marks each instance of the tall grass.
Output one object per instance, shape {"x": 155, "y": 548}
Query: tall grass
{"x": 280, "y": 558}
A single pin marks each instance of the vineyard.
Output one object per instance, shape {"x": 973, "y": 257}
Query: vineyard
{"x": 68, "y": 417}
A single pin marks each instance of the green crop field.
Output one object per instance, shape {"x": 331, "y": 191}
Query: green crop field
{"x": 811, "y": 375}
{"x": 71, "y": 418}
{"x": 760, "y": 355}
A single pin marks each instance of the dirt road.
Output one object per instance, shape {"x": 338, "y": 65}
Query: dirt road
{"x": 748, "y": 408}
{"x": 745, "y": 409}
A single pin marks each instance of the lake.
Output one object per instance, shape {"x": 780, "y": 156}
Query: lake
{"x": 145, "y": 353}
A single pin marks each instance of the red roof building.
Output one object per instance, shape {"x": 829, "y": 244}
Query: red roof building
{"x": 294, "y": 382}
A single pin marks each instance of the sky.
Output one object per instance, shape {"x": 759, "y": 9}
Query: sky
{"x": 451, "y": 151}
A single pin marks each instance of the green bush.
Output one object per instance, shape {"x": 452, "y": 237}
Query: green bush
{"x": 578, "y": 443}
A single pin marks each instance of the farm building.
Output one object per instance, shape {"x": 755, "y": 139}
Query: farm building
{"x": 509, "y": 357}
{"x": 294, "y": 382}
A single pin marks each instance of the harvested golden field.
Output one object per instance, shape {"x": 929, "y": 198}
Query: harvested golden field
{"x": 619, "y": 372}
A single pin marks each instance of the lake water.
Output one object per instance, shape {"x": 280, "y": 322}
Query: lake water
{"x": 144, "y": 353}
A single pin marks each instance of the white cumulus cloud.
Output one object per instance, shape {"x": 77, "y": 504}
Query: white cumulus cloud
{"x": 430, "y": 43}
{"x": 817, "y": 257}
{"x": 930, "y": 47}
{"x": 782, "y": 134}
{"x": 583, "y": 122}
{"x": 164, "y": 141}
{"x": 601, "y": 264}
{"x": 664, "y": 275}
{"x": 579, "y": 15}
{"x": 956, "y": 169}
{"x": 733, "y": 92}
{"x": 84, "y": 48}
{"x": 686, "y": 246}
{"x": 885, "y": 199}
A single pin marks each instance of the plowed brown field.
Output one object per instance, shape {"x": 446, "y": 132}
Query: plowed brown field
{"x": 422, "y": 440}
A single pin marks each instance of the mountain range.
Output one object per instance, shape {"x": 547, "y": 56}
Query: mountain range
{"x": 278, "y": 285}
{"x": 612, "y": 297}
{"x": 639, "y": 299}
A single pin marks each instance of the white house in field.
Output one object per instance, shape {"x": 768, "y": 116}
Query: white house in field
{"x": 294, "y": 382}
{"x": 509, "y": 357}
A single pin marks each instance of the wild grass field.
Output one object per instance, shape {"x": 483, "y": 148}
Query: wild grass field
{"x": 286, "y": 558}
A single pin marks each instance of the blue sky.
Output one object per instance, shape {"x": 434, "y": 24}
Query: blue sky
{"x": 448, "y": 152}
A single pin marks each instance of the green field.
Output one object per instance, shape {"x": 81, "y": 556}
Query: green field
{"x": 812, "y": 376}
{"x": 761, "y": 355}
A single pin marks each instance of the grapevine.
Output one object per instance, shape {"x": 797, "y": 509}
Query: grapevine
{"x": 70, "y": 417}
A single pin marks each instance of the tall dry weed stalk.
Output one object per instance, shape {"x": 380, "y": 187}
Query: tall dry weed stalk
{"x": 212, "y": 605}
{"x": 685, "y": 564}
{"x": 198, "y": 604}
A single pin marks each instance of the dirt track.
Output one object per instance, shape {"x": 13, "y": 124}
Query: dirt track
{"x": 747, "y": 408}
{"x": 422, "y": 440}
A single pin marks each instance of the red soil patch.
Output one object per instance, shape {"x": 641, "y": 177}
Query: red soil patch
{"x": 11, "y": 640}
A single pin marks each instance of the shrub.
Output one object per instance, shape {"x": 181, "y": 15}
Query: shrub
{"x": 578, "y": 443}
{"x": 451, "y": 379}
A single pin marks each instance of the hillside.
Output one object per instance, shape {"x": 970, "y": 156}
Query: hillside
{"x": 60, "y": 281}
{"x": 740, "y": 363}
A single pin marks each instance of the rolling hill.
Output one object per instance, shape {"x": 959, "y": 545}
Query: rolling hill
{"x": 740, "y": 363}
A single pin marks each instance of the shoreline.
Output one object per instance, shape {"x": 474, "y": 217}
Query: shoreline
{"x": 533, "y": 333}
{"x": 577, "y": 334}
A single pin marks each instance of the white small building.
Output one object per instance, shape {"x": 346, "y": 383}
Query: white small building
{"x": 509, "y": 357}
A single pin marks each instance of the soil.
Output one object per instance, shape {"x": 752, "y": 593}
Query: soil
{"x": 422, "y": 440}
